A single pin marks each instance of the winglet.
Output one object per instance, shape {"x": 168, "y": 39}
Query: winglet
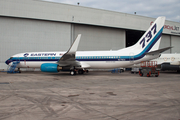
{"x": 71, "y": 53}
{"x": 74, "y": 46}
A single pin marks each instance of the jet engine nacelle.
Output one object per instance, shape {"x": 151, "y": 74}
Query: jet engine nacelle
{"x": 49, "y": 67}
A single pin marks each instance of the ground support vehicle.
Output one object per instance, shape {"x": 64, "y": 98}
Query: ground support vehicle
{"x": 135, "y": 70}
{"x": 149, "y": 68}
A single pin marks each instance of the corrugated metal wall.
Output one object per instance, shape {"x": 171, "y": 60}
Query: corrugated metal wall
{"x": 175, "y": 42}
{"x": 100, "y": 38}
{"x": 24, "y": 35}
{"x": 165, "y": 42}
{"x": 38, "y": 9}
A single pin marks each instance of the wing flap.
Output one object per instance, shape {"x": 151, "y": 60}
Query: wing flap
{"x": 69, "y": 63}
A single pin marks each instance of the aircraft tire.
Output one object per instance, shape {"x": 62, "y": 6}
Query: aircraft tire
{"x": 72, "y": 72}
{"x": 80, "y": 72}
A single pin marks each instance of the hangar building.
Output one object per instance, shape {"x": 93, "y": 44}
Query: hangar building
{"x": 35, "y": 25}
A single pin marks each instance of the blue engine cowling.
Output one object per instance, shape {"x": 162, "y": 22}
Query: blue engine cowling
{"x": 49, "y": 67}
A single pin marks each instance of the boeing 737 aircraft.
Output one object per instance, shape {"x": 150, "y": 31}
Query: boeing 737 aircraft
{"x": 147, "y": 48}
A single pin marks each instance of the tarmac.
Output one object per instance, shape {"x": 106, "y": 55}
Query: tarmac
{"x": 92, "y": 96}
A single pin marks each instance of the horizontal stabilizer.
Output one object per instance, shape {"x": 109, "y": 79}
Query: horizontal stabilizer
{"x": 158, "y": 51}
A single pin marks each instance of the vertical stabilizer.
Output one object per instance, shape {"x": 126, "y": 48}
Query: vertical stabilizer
{"x": 150, "y": 41}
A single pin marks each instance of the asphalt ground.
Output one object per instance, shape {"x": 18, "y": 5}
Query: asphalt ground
{"x": 92, "y": 96}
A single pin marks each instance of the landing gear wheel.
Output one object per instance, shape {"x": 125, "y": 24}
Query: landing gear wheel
{"x": 19, "y": 71}
{"x": 72, "y": 72}
{"x": 80, "y": 71}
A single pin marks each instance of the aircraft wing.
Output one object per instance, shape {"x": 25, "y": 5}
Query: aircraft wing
{"x": 158, "y": 51}
{"x": 69, "y": 58}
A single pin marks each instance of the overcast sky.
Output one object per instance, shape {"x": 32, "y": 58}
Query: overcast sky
{"x": 150, "y": 8}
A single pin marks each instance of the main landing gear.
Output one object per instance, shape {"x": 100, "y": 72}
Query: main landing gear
{"x": 80, "y": 71}
{"x": 19, "y": 71}
{"x": 72, "y": 72}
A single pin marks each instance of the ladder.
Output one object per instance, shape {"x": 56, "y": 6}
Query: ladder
{"x": 11, "y": 69}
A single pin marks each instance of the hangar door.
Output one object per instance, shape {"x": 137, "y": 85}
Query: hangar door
{"x": 99, "y": 38}
{"x": 175, "y": 43}
{"x": 165, "y": 42}
{"x": 27, "y": 35}
{"x": 132, "y": 37}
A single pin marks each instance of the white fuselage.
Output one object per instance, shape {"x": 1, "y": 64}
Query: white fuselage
{"x": 173, "y": 59}
{"x": 88, "y": 59}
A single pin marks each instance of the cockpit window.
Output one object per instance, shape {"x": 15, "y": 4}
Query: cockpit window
{"x": 11, "y": 57}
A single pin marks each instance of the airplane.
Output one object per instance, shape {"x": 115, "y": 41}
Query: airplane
{"x": 168, "y": 62}
{"x": 147, "y": 48}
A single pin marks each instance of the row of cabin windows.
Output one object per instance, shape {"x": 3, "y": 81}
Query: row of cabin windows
{"x": 168, "y": 58}
{"x": 96, "y": 57}
{"x": 41, "y": 58}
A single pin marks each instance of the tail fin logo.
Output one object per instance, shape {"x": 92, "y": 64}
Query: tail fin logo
{"x": 148, "y": 36}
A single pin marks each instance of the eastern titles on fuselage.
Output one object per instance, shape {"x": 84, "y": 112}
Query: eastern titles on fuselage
{"x": 42, "y": 54}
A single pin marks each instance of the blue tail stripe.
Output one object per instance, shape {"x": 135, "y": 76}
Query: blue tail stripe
{"x": 148, "y": 47}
